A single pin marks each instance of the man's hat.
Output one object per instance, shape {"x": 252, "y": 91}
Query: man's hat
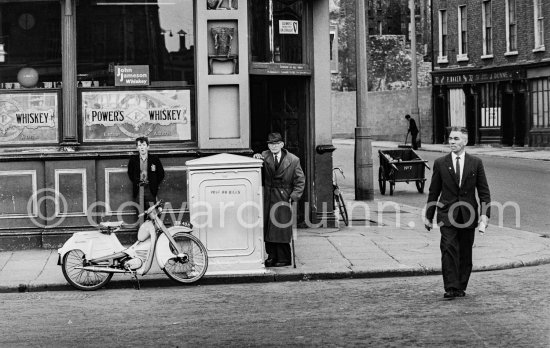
{"x": 274, "y": 138}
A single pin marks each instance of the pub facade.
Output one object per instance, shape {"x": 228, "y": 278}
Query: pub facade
{"x": 492, "y": 71}
{"x": 81, "y": 79}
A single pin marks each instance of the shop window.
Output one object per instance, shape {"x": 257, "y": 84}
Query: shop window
{"x": 277, "y": 33}
{"x": 490, "y": 106}
{"x": 540, "y": 102}
{"x": 30, "y": 37}
{"x": 136, "y": 69}
{"x": 157, "y": 35}
{"x": 30, "y": 72}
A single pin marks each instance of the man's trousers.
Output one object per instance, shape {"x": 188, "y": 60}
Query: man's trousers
{"x": 456, "y": 256}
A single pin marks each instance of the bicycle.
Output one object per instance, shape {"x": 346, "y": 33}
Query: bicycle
{"x": 337, "y": 196}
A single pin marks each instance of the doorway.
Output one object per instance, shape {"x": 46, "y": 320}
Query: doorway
{"x": 512, "y": 119}
{"x": 280, "y": 104}
{"x": 471, "y": 122}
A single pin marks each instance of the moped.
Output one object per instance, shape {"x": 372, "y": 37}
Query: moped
{"x": 90, "y": 259}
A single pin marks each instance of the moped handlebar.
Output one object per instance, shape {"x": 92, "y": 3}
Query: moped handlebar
{"x": 160, "y": 204}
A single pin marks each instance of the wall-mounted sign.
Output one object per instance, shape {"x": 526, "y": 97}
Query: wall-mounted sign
{"x": 280, "y": 69}
{"x": 125, "y": 115}
{"x": 478, "y": 77}
{"x": 28, "y": 118}
{"x": 288, "y": 69}
{"x": 131, "y": 75}
{"x": 288, "y": 27}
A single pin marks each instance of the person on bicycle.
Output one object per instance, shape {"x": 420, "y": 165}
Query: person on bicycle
{"x": 284, "y": 183}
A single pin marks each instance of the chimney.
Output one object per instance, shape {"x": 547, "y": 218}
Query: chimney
{"x": 182, "y": 35}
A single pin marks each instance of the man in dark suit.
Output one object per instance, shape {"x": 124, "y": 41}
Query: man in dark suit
{"x": 455, "y": 179}
{"x": 146, "y": 173}
{"x": 413, "y": 129}
{"x": 284, "y": 183}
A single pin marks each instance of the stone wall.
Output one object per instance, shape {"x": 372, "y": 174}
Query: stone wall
{"x": 387, "y": 110}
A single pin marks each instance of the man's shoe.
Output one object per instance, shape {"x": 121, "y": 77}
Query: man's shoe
{"x": 460, "y": 293}
{"x": 451, "y": 293}
{"x": 269, "y": 262}
{"x": 281, "y": 264}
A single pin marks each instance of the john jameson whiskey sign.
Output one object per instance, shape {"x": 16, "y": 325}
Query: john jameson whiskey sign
{"x": 132, "y": 75}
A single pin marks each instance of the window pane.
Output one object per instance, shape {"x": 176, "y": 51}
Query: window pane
{"x": 259, "y": 11}
{"x": 464, "y": 29}
{"x": 282, "y": 38}
{"x": 463, "y": 16}
{"x": 489, "y": 41}
{"x": 288, "y": 27}
{"x": 444, "y": 22}
{"x": 443, "y": 30}
{"x": 534, "y": 116}
{"x": 158, "y": 34}
{"x": 546, "y": 108}
{"x": 488, "y": 14}
{"x": 513, "y": 37}
{"x": 31, "y": 34}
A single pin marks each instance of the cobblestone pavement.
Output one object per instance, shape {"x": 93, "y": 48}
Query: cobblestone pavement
{"x": 508, "y": 308}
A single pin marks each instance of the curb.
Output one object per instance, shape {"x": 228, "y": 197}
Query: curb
{"x": 492, "y": 151}
{"x": 154, "y": 282}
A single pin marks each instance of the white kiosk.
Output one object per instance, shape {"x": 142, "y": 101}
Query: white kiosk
{"x": 226, "y": 208}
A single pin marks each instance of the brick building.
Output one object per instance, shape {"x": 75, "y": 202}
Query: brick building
{"x": 492, "y": 70}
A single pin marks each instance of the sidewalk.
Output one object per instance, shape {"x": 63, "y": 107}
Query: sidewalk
{"x": 542, "y": 154}
{"x": 394, "y": 245}
{"x": 383, "y": 244}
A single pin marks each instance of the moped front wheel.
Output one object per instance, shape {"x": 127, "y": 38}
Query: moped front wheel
{"x": 79, "y": 278}
{"x": 191, "y": 265}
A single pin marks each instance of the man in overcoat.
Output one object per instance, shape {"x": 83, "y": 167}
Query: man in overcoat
{"x": 456, "y": 178}
{"x": 284, "y": 183}
{"x": 146, "y": 173}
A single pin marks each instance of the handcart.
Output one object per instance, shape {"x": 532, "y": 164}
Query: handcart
{"x": 402, "y": 165}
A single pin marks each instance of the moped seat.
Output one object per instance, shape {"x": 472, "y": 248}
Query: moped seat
{"x": 110, "y": 225}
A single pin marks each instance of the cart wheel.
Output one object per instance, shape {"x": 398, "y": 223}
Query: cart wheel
{"x": 381, "y": 181}
{"x": 392, "y": 187}
{"x": 420, "y": 186}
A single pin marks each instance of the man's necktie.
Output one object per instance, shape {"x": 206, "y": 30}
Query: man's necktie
{"x": 457, "y": 169}
{"x": 276, "y": 160}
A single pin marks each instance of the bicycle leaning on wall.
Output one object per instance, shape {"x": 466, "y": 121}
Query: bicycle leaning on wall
{"x": 337, "y": 195}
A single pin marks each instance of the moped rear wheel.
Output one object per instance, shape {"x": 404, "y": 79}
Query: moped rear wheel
{"x": 79, "y": 278}
{"x": 192, "y": 266}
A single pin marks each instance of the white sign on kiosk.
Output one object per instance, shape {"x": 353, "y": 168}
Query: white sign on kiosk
{"x": 226, "y": 207}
